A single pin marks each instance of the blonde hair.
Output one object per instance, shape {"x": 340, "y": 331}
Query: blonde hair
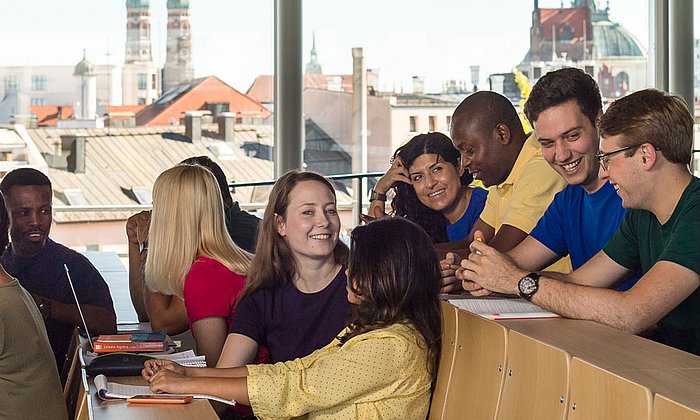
{"x": 187, "y": 222}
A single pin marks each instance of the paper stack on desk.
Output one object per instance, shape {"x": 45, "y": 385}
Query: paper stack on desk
{"x": 502, "y": 308}
{"x": 115, "y": 391}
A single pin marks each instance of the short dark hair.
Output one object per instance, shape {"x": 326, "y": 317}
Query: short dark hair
{"x": 485, "y": 110}
{"x": 395, "y": 272}
{"x": 24, "y": 177}
{"x": 215, "y": 169}
{"x": 559, "y": 86}
{"x": 652, "y": 116}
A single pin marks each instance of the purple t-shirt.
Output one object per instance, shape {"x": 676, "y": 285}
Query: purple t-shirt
{"x": 292, "y": 324}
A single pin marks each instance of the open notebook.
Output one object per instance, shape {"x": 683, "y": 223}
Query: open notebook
{"x": 113, "y": 390}
{"x": 500, "y": 307}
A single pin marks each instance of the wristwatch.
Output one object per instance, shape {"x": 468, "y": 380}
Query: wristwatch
{"x": 377, "y": 196}
{"x": 529, "y": 285}
{"x": 45, "y": 308}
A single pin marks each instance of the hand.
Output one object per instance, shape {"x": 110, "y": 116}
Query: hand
{"x": 396, "y": 173}
{"x": 166, "y": 380}
{"x": 153, "y": 366}
{"x": 489, "y": 269}
{"x": 137, "y": 227}
{"x": 366, "y": 218}
{"x": 450, "y": 283}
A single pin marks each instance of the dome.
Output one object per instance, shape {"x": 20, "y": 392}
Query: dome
{"x": 84, "y": 68}
{"x": 178, "y": 4}
{"x": 612, "y": 40}
{"x": 137, "y": 4}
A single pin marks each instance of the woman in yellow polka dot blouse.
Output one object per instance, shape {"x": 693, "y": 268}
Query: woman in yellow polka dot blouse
{"x": 380, "y": 366}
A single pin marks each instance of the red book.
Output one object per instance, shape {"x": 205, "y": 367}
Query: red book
{"x": 130, "y": 343}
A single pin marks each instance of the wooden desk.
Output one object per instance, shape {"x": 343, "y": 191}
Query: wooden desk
{"x": 667, "y": 371}
{"x": 603, "y": 346}
{"x": 120, "y": 409}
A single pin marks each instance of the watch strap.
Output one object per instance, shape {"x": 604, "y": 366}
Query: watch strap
{"x": 377, "y": 196}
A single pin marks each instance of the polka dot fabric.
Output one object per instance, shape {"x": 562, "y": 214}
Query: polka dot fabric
{"x": 381, "y": 374}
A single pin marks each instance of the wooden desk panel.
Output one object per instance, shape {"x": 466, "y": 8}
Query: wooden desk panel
{"x": 120, "y": 409}
{"x": 603, "y": 346}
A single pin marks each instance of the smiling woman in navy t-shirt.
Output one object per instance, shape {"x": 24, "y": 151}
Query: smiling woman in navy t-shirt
{"x": 295, "y": 299}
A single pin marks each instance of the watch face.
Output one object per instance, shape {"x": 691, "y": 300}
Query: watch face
{"x": 527, "y": 285}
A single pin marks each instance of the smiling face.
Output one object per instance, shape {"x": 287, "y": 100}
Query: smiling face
{"x": 623, "y": 173}
{"x": 480, "y": 153}
{"x": 436, "y": 182}
{"x": 311, "y": 224}
{"x": 569, "y": 143}
{"x": 29, "y": 208}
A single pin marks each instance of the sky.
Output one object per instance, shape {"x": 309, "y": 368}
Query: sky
{"x": 232, "y": 39}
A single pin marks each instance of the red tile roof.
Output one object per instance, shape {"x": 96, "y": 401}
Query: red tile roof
{"x": 48, "y": 114}
{"x": 575, "y": 17}
{"x": 124, "y": 108}
{"x": 194, "y": 97}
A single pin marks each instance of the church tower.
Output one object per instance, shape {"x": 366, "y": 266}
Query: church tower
{"x": 140, "y": 76}
{"x": 138, "y": 32}
{"x": 313, "y": 66}
{"x": 178, "y": 62}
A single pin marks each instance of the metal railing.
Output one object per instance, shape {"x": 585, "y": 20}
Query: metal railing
{"x": 356, "y": 204}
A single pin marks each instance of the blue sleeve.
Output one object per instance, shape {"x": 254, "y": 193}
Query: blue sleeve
{"x": 549, "y": 230}
{"x": 476, "y": 206}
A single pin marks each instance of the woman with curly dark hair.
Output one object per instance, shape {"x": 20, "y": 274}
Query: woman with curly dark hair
{"x": 431, "y": 188}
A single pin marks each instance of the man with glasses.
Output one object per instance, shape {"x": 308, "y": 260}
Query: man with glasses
{"x": 563, "y": 108}
{"x": 645, "y": 149}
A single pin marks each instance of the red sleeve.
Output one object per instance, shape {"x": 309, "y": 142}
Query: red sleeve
{"x": 211, "y": 290}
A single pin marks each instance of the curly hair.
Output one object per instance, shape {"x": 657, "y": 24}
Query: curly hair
{"x": 406, "y": 203}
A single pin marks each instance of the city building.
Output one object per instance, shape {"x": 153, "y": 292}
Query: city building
{"x": 583, "y": 36}
{"x": 140, "y": 76}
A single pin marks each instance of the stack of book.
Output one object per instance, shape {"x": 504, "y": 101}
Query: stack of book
{"x": 135, "y": 343}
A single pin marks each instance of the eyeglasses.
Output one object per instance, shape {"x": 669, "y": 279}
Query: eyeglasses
{"x": 604, "y": 158}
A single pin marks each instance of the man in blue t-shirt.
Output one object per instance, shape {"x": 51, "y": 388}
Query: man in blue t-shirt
{"x": 563, "y": 108}
{"x": 645, "y": 151}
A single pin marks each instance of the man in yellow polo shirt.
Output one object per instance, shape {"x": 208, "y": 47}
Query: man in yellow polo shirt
{"x": 495, "y": 149}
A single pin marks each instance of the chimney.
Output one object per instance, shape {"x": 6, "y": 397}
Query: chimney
{"x": 193, "y": 125}
{"x": 226, "y": 123}
{"x": 75, "y": 162}
{"x": 418, "y": 85}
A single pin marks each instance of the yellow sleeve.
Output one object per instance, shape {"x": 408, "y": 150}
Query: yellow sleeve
{"x": 328, "y": 377}
{"x": 532, "y": 194}
{"x": 490, "y": 213}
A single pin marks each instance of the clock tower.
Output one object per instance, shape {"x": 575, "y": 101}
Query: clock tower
{"x": 178, "y": 61}
{"x": 140, "y": 76}
{"x": 138, "y": 32}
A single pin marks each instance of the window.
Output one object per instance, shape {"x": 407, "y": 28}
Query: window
{"x": 412, "y": 124}
{"x": 142, "y": 101}
{"x": 142, "y": 83}
{"x": 536, "y": 72}
{"x": 39, "y": 82}
{"x": 432, "y": 123}
{"x": 153, "y": 82}
{"x": 448, "y": 121}
{"x": 38, "y": 101}
{"x": 11, "y": 82}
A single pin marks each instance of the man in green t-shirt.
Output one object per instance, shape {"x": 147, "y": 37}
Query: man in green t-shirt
{"x": 645, "y": 149}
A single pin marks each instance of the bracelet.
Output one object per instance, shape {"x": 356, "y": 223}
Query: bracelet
{"x": 377, "y": 196}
